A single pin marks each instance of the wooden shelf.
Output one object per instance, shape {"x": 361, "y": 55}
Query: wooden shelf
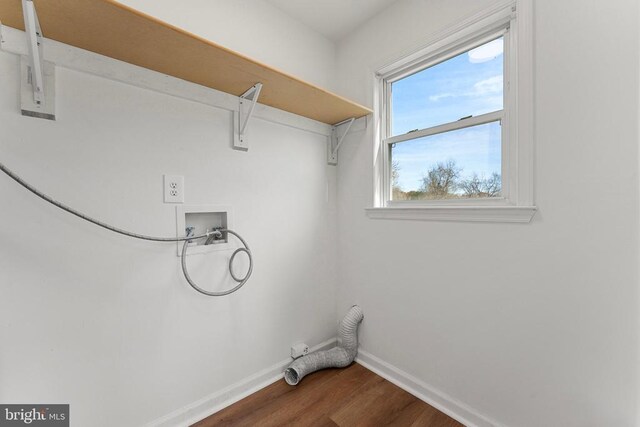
{"x": 117, "y": 31}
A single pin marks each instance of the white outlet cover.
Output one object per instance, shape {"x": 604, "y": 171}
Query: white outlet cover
{"x": 299, "y": 349}
{"x": 173, "y": 189}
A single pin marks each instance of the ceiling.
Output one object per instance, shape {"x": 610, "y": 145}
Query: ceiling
{"x": 332, "y": 18}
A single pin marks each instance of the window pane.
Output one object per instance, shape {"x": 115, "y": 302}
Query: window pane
{"x": 464, "y": 163}
{"x": 468, "y": 84}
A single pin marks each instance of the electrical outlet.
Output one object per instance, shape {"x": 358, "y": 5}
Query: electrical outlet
{"x": 173, "y": 189}
{"x": 298, "y": 350}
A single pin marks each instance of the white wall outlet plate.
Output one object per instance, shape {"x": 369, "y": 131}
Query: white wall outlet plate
{"x": 173, "y": 189}
{"x": 299, "y": 350}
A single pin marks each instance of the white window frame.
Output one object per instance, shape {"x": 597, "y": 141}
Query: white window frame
{"x": 516, "y": 203}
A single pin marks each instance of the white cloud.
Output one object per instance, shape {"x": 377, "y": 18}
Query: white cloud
{"x": 483, "y": 87}
{"x": 487, "y": 86}
{"x": 440, "y": 96}
{"x": 486, "y": 52}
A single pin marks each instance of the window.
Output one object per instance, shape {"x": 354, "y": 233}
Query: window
{"x": 446, "y": 127}
{"x": 455, "y": 138}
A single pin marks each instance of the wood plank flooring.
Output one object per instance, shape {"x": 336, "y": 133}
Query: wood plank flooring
{"x": 348, "y": 397}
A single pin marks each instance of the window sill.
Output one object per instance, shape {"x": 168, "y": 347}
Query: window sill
{"x": 522, "y": 214}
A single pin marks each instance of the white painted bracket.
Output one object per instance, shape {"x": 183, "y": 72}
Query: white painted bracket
{"x": 336, "y": 140}
{"x": 28, "y": 105}
{"x": 34, "y": 44}
{"x": 242, "y": 117}
{"x": 37, "y": 77}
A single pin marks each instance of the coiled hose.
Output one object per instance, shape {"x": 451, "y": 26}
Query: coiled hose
{"x": 185, "y": 239}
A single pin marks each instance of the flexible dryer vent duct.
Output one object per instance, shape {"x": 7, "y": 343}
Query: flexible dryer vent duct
{"x": 337, "y": 357}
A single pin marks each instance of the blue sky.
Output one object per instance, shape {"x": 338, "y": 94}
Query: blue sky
{"x": 468, "y": 84}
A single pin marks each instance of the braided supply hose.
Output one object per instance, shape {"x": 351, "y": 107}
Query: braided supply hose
{"x": 185, "y": 239}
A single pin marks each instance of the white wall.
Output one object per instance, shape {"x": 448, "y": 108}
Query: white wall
{"x": 529, "y": 325}
{"x": 108, "y": 324}
{"x": 253, "y": 28}
{"x": 540, "y": 326}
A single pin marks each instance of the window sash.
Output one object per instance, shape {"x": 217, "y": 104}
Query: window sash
{"x": 496, "y": 116}
{"x": 501, "y": 115}
{"x": 443, "y": 56}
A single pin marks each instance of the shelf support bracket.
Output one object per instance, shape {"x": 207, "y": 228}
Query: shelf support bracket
{"x": 242, "y": 117}
{"x": 336, "y": 140}
{"x": 34, "y": 42}
{"x": 37, "y": 76}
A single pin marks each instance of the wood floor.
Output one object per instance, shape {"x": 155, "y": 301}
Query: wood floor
{"x": 353, "y": 396}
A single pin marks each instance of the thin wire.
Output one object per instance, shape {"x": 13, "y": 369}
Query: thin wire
{"x": 186, "y": 239}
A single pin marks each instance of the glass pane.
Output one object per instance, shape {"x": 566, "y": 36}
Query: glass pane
{"x": 468, "y": 84}
{"x": 460, "y": 164}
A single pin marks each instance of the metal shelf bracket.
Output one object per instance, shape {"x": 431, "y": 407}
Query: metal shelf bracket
{"x": 336, "y": 140}
{"x": 34, "y": 42}
{"x": 242, "y": 117}
{"x": 37, "y": 77}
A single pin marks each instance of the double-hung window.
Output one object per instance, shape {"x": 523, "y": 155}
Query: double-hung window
{"x": 452, "y": 142}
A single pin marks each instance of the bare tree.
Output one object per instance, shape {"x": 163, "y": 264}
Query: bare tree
{"x": 396, "y": 190}
{"x": 440, "y": 182}
{"x": 395, "y": 174}
{"x": 482, "y": 187}
{"x": 443, "y": 181}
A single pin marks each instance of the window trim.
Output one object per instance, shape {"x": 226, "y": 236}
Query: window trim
{"x": 516, "y": 205}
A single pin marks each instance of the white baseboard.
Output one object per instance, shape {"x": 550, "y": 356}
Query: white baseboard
{"x": 219, "y": 400}
{"x": 439, "y": 400}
